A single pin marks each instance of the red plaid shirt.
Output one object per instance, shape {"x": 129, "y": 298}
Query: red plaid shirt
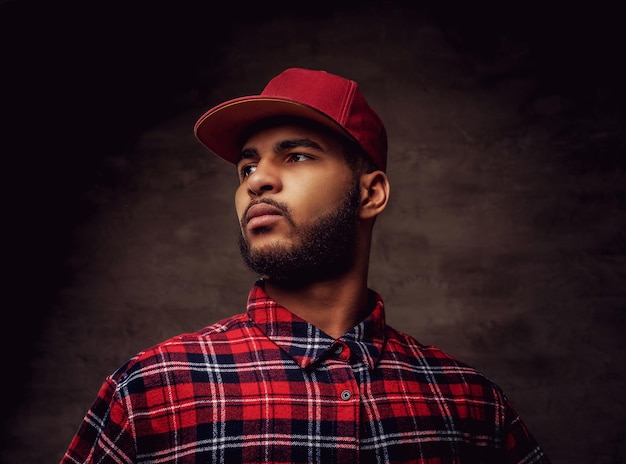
{"x": 266, "y": 386}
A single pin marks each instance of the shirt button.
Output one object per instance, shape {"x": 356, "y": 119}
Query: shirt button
{"x": 346, "y": 395}
{"x": 338, "y": 349}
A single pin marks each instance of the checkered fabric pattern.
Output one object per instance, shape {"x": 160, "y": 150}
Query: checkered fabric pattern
{"x": 267, "y": 387}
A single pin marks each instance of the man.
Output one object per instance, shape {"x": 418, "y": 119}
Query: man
{"x": 310, "y": 373}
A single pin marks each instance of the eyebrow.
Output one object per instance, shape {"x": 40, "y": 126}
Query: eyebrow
{"x": 287, "y": 144}
{"x": 295, "y": 143}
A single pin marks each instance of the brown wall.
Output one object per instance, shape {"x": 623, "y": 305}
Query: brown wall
{"x": 504, "y": 242}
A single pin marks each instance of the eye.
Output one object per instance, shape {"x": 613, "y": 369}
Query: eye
{"x": 298, "y": 157}
{"x": 246, "y": 170}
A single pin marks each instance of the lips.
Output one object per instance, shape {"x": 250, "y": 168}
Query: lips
{"x": 262, "y": 215}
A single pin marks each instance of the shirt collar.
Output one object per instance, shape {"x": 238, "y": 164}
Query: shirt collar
{"x": 304, "y": 342}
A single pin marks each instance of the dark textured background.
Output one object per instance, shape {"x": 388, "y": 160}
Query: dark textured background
{"x": 504, "y": 242}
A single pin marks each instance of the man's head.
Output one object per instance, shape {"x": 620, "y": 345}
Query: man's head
{"x": 309, "y": 190}
{"x": 298, "y": 202}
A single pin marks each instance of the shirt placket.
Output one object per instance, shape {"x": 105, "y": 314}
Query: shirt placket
{"x": 348, "y": 402}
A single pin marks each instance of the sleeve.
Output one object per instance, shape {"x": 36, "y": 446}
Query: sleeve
{"x": 519, "y": 444}
{"x": 105, "y": 434}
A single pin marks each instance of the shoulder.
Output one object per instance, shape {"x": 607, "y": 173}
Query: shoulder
{"x": 438, "y": 365}
{"x": 185, "y": 349}
{"x": 436, "y": 374}
{"x": 468, "y": 398}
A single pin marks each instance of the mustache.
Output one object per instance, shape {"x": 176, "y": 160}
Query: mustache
{"x": 268, "y": 201}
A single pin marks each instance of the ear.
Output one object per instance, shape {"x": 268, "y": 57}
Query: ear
{"x": 374, "y": 188}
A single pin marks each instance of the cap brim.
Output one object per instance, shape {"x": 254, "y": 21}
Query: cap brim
{"x": 220, "y": 129}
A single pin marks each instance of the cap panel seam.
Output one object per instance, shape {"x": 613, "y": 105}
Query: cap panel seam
{"x": 347, "y": 103}
{"x": 279, "y": 83}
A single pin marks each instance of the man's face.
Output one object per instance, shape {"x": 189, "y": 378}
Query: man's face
{"x": 297, "y": 204}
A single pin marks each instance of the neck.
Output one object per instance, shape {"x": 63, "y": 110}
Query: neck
{"x": 334, "y": 306}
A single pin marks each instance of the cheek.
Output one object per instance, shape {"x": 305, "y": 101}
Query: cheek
{"x": 241, "y": 201}
{"x": 317, "y": 199}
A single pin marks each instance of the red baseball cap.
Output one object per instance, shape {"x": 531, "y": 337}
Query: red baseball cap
{"x": 330, "y": 100}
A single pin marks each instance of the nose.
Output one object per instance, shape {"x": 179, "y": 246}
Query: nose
{"x": 265, "y": 178}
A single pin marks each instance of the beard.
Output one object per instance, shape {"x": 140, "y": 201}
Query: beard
{"x": 322, "y": 249}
